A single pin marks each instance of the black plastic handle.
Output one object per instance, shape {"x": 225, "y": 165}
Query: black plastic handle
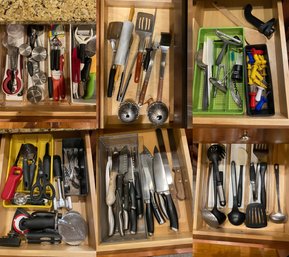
{"x": 81, "y": 53}
{"x": 86, "y": 70}
{"x": 26, "y": 175}
{"x": 263, "y": 168}
{"x": 50, "y": 87}
{"x": 156, "y": 210}
{"x": 240, "y": 187}
{"x": 52, "y": 59}
{"x": 149, "y": 219}
{"x": 252, "y": 172}
{"x": 57, "y": 59}
{"x": 172, "y": 212}
{"x": 126, "y": 195}
{"x": 30, "y": 68}
{"x": 38, "y": 237}
{"x": 57, "y": 170}
{"x": 47, "y": 162}
{"x": 10, "y": 241}
{"x": 133, "y": 207}
{"x": 37, "y": 223}
{"x": 147, "y": 58}
{"x": 111, "y": 80}
{"x": 139, "y": 202}
{"x": 32, "y": 169}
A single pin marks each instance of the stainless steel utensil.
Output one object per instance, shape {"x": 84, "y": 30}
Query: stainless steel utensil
{"x": 34, "y": 94}
{"x": 241, "y": 161}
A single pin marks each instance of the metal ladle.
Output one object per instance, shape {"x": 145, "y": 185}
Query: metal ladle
{"x": 277, "y": 217}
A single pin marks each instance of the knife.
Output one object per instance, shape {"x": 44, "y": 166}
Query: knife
{"x": 176, "y": 167}
{"x": 167, "y": 168}
{"x": 138, "y": 193}
{"x": 162, "y": 187}
{"x": 123, "y": 194}
{"x": 147, "y": 169}
{"x": 131, "y": 202}
{"x": 146, "y": 196}
{"x": 111, "y": 174}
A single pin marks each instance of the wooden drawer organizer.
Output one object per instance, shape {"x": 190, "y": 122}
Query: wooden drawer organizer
{"x": 202, "y": 14}
{"x": 83, "y": 205}
{"x": 163, "y": 237}
{"x": 166, "y": 21}
{"x": 47, "y": 109}
{"x": 270, "y": 235}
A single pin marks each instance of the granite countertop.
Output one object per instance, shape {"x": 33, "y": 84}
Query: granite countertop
{"x": 51, "y": 11}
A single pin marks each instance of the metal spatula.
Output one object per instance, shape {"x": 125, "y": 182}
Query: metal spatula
{"x": 144, "y": 28}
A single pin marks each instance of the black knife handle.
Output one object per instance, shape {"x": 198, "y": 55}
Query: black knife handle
{"x": 119, "y": 185}
{"x": 162, "y": 204}
{"x": 160, "y": 140}
{"x": 133, "y": 221}
{"x": 133, "y": 214}
{"x": 26, "y": 175}
{"x": 139, "y": 202}
{"x": 252, "y": 172}
{"x": 118, "y": 214}
{"x": 149, "y": 219}
{"x": 125, "y": 204}
{"x": 240, "y": 187}
{"x": 111, "y": 80}
{"x": 156, "y": 210}
{"x": 172, "y": 212}
{"x": 263, "y": 168}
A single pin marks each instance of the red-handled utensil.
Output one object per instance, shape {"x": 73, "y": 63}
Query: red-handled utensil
{"x": 11, "y": 183}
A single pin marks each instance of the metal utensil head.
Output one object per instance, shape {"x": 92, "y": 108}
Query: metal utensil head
{"x": 159, "y": 173}
{"x": 144, "y": 23}
{"x": 158, "y": 113}
{"x": 210, "y": 218}
{"x": 261, "y": 151}
{"x": 129, "y": 176}
{"x": 39, "y": 53}
{"x": 199, "y": 59}
{"x": 228, "y": 39}
{"x": 144, "y": 182}
{"x": 34, "y": 94}
{"x": 123, "y": 160}
{"x": 25, "y": 50}
{"x": 278, "y": 217}
{"x": 128, "y": 112}
{"x": 146, "y": 169}
{"x": 114, "y": 30}
{"x": 83, "y": 34}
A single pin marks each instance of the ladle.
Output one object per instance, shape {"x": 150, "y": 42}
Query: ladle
{"x": 216, "y": 153}
{"x": 215, "y": 217}
{"x": 277, "y": 217}
{"x": 235, "y": 216}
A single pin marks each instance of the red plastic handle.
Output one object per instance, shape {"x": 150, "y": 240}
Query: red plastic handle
{"x": 252, "y": 99}
{"x": 255, "y": 51}
{"x": 56, "y": 89}
{"x": 6, "y": 81}
{"x": 11, "y": 183}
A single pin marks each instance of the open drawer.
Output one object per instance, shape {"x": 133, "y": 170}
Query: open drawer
{"x": 229, "y": 14}
{"x": 273, "y": 234}
{"x": 45, "y": 80}
{"x": 170, "y": 18}
{"x": 163, "y": 236}
{"x": 81, "y": 204}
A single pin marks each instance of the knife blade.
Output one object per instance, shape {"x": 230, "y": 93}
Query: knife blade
{"x": 162, "y": 187}
{"x": 146, "y": 196}
{"x": 146, "y": 162}
{"x": 178, "y": 179}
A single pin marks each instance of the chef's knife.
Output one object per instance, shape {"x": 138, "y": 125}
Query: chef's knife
{"x": 129, "y": 179}
{"x": 146, "y": 197}
{"x": 111, "y": 174}
{"x": 162, "y": 187}
{"x": 147, "y": 167}
{"x": 176, "y": 166}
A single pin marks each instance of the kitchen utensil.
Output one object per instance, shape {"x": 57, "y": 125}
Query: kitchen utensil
{"x": 178, "y": 177}
{"x": 39, "y": 53}
{"x": 262, "y": 151}
{"x": 58, "y": 175}
{"x": 144, "y": 28}
{"x": 278, "y": 217}
{"x": 42, "y": 189}
{"x": 215, "y": 154}
{"x": 158, "y": 111}
{"x": 28, "y": 152}
{"x": 124, "y": 43}
{"x": 219, "y": 83}
{"x": 241, "y": 161}
{"x": 73, "y": 228}
{"x": 147, "y": 166}
{"x": 162, "y": 187}
{"x": 253, "y": 181}
{"x": 39, "y": 78}
{"x": 47, "y": 162}
{"x": 235, "y": 216}
{"x": 113, "y": 164}
{"x": 128, "y": 110}
{"x": 204, "y": 67}
{"x": 113, "y": 35}
{"x": 83, "y": 34}
{"x": 25, "y": 50}
{"x": 227, "y": 40}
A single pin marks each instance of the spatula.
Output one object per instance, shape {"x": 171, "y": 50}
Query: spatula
{"x": 241, "y": 161}
{"x": 144, "y": 28}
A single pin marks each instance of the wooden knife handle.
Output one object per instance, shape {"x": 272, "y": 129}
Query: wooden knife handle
{"x": 138, "y": 67}
{"x": 179, "y": 184}
{"x": 110, "y": 198}
{"x": 143, "y": 92}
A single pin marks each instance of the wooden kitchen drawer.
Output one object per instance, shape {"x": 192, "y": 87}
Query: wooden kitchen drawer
{"x": 201, "y": 17}
{"x": 14, "y": 108}
{"x": 170, "y": 18}
{"x": 83, "y": 205}
{"x": 276, "y": 235}
{"x": 163, "y": 236}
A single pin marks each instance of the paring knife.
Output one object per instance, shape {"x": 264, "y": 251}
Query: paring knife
{"x": 111, "y": 174}
{"x": 146, "y": 196}
{"x": 176, "y": 166}
{"x": 167, "y": 168}
{"x": 130, "y": 182}
{"x": 162, "y": 187}
{"x": 148, "y": 170}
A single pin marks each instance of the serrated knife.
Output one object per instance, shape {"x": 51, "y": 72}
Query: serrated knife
{"x": 162, "y": 187}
